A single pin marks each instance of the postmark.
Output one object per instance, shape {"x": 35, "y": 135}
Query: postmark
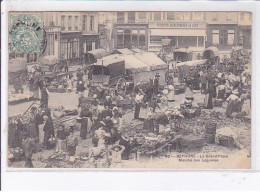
{"x": 26, "y": 33}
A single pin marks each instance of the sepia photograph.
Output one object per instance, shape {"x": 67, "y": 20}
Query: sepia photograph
{"x": 129, "y": 90}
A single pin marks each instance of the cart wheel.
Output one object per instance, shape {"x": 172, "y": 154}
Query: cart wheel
{"x": 121, "y": 87}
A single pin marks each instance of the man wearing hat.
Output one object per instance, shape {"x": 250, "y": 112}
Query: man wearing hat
{"x": 156, "y": 84}
{"x": 48, "y": 131}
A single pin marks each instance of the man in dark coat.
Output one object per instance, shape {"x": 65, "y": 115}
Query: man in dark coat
{"x": 48, "y": 131}
{"x": 149, "y": 91}
{"x": 86, "y": 116}
{"x": 44, "y": 98}
{"x": 156, "y": 84}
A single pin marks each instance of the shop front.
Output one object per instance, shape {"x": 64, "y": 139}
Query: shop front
{"x": 182, "y": 35}
{"x": 70, "y": 47}
{"x": 222, "y": 36}
{"x": 245, "y": 36}
{"x": 131, "y": 36}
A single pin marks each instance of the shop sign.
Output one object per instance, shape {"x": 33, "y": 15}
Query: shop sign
{"x": 177, "y": 25}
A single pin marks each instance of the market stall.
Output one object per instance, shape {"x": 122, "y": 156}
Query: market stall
{"x": 92, "y": 56}
{"x": 18, "y": 91}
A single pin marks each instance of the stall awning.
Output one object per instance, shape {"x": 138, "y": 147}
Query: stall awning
{"x": 177, "y": 32}
{"x": 124, "y": 51}
{"x": 192, "y": 63}
{"x": 98, "y": 53}
{"x": 150, "y": 59}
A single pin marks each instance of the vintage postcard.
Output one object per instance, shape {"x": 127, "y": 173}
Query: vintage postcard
{"x": 129, "y": 90}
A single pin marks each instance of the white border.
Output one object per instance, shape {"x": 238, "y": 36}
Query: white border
{"x": 128, "y": 179}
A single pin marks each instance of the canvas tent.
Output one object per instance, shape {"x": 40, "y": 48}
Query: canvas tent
{"x": 92, "y": 56}
{"x": 124, "y": 51}
{"x": 210, "y": 52}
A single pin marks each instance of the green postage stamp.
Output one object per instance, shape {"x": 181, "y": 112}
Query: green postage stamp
{"x": 26, "y": 33}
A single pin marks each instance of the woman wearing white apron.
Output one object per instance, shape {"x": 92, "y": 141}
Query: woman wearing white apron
{"x": 171, "y": 96}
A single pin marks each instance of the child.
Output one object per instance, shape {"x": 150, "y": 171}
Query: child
{"x": 72, "y": 142}
{"x": 61, "y": 143}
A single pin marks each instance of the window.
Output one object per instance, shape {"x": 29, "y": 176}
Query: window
{"x": 64, "y": 48}
{"x": 69, "y": 22}
{"x": 51, "y": 22}
{"x": 215, "y": 17}
{"x": 89, "y": 46}
{"x": 231, "y": 37}
{"x": 63, "y": 21}
{"x": 141, "y": 41}
{"x": 50, "y": 44}
{"x": 131, "y": 17}
{"x": 157, "y": 16}
{"x": 170, "y": 16}
{"x": 187, "y": 41}
{"x": 151, "y": 16}
{"x": 223, "y": 38}
{"x": 120, "y": 17}
{"x": 228, "y": 17}
{"x": 120, "y": 39}
{"x": 178, "y": 16}
{"x": 84, "y": 23}
{"x": 142, "y": 15}
{"x": 191, "y": 16}
{"x": 242, "y": 16}
{"x": 250, "y": 17}
{"x": 76, "y": 22}
{"x": 91, "y": 23}
{"x": 164, "y": 15}
{"x": 75, "y": 48}
{"x": 215, "y": 37}
{"x": 200, "y": 41}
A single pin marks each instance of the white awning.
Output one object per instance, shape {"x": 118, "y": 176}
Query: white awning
{"x": 177, "y": 32}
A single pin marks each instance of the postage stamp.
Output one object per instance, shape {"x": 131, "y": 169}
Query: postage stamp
{"x": 26, "y": 33}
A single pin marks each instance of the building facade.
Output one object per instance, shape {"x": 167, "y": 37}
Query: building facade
{"x": 245, "y": 26}
{"x": 185, "y": 29}
{"x": 222, "y": 30}
{"x": 70, "y": 34}
{"x": 131, "y": 30}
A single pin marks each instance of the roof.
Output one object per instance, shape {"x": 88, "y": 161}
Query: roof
{"x": 137, "y": 50}
{"x": 183, "y": 50}
{"x": 213, "y": 49}
{"x": 108, "y": 61}
{"x": 98, "y": 53}
{"x": 125, "y": 51}
{"x": 150, "y": 59}
{"x": 131, "y": 62}
{"x": 192, "y": 63}
{"x": 16, "y": 65}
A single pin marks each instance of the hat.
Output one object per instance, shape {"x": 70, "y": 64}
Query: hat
{"x": 235, "y": 92}
{"x": 94, "y": 96}
{"x": 102, "y": 123}
{"x": 171, "y": 87}
{"x": 115, "y": 108}
{"x": 80, "y": 82}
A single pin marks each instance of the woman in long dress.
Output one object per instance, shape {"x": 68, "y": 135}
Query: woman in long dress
{"x": 86, "y": 121}
{"x": 209, "y": 96}
{"x": 171, "y": 96}
{"x": 189, "y": 92}
{"x": 138, "y": 100}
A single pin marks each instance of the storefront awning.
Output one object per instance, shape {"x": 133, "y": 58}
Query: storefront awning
{"x": 177, "y": 32}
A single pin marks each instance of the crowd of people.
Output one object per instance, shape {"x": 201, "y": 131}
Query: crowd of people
{"x": 100, "y": 117}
